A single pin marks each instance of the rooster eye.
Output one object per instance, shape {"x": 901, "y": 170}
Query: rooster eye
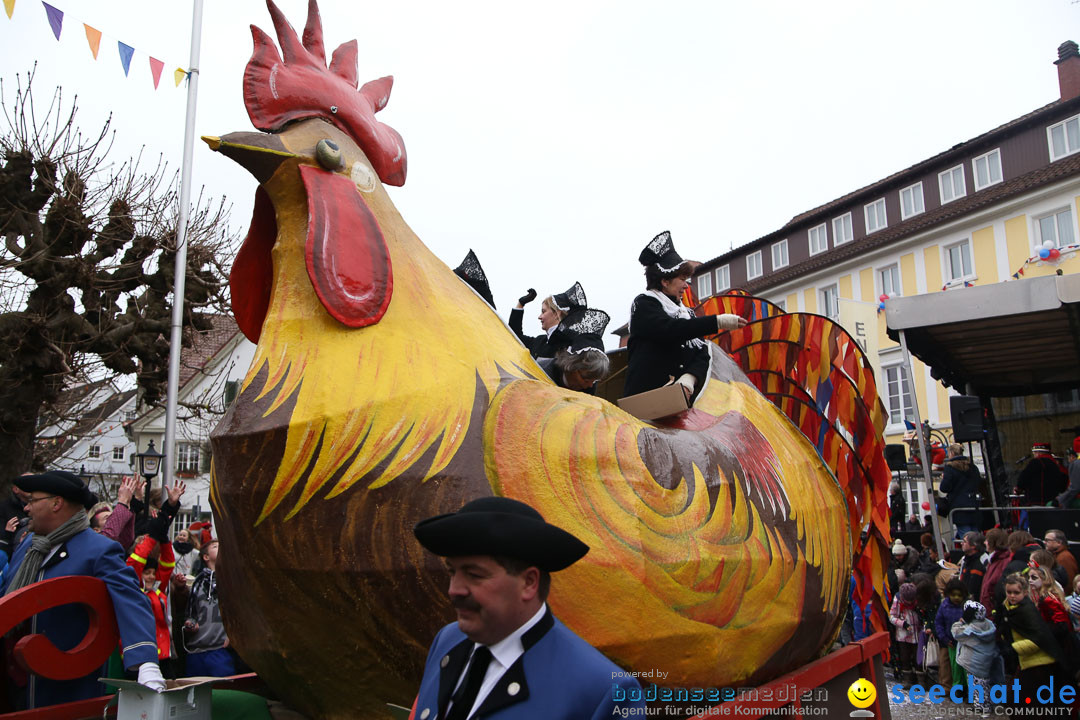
{"x": 328, "y": 154}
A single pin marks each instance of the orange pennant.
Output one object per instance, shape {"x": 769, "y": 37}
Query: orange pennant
{"x": 9, "y": 7}
{"x": 155, "y": 70}
{"x": 93, "y": 37}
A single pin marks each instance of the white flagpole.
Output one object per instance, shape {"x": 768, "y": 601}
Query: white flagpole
{"x": 169, "y": 448}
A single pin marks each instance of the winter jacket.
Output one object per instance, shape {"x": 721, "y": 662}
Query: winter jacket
{"x": 976, "y": 646}
{"x": 991, "y": 578}
{"x": 209, "y": 633}
{"x": 960, "y": 484}
{"x": 900, "y": 614}
{"x": 1041, "y": 480}
{"x": 120, "y": 526}
{"x": 972, "y": 573}
{"x": 947, "y": 616}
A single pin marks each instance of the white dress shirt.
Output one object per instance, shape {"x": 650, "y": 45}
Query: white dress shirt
{"x": 503, "y": 654}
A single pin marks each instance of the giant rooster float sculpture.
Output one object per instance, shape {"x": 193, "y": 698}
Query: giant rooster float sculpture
{"x": 384, "y": 390}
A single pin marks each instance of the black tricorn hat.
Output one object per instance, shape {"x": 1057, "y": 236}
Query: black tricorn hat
{"x": 58, "y": 482}
{"x": 661, "y": 252}
{"x": 474, "y": 276}
{"x": 572, "y": 299}
{"x": 585, "y": 330}
{"x": 500, "y": 526}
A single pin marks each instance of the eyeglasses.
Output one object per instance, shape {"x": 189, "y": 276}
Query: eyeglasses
{"x": 33, "y": 500}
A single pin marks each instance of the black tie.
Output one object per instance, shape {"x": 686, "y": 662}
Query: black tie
{"x": 466, "y": 695}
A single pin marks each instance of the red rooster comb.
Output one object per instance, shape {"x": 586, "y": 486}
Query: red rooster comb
{"x": 276, "y": 92}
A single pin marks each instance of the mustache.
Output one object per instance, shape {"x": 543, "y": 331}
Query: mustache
{"x": 464, "y": 603}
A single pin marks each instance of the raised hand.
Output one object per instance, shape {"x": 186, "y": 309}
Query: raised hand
{"x": 176, "y": 491}
{"x": 128, "y": 486}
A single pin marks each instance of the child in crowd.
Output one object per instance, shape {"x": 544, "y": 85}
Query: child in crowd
{"x": 154, "y": 568}
{"x": 1072, "y": 604}
{"x": 1034, "y": 650}
{"x": 977, "y": 651}
{"x": 206, "y": 641}
{"x": 950, "y": 612}
{"x": 905, "y": 618}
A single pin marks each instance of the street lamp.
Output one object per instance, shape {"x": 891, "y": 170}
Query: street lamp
{"x": 85, "y": 476}
{"x": 149, "y": 465}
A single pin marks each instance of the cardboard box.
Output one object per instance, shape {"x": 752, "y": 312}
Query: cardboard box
{"x": 658, "y": 403}
{"x": 186, "y": 699}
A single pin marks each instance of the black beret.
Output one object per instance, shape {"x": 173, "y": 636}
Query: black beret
{"x": 58, "y": 482}
{"x": 500, "y": 526}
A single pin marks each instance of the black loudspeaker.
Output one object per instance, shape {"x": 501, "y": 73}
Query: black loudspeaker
{"x": 896, "y": 457}
{"x": 967, "y": 418}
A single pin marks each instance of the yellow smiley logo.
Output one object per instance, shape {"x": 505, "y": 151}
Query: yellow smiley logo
{"x": 862, "y": 693}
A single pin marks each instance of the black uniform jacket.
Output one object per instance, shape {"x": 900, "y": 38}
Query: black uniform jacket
{"x": 540, "y": 345}
{"x": 655, "y": 351}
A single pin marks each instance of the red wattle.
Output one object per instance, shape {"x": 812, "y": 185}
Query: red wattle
{"x": 347, "y": 258}
{"x": 252, "y": 272}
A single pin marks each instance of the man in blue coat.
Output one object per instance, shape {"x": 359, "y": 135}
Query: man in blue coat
{"x": 61, "y": 543}
{"x": 507, "y": 657}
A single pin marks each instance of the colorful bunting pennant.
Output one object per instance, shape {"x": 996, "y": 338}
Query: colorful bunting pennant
{"x": 156, "y": 66}
{"x": 9, "y": 7}
{"x": 93, "y": 36}
{"x": 126, "y": 51}
{"x": 93, "y": 39}
{"x": 56, "y": 19}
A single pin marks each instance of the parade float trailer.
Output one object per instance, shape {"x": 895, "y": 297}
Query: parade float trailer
{"x": 384, "y": 390}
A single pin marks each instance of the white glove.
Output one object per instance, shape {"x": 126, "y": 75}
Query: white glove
{"x": 729, "y": 321}
{"x": 150, "y": 676}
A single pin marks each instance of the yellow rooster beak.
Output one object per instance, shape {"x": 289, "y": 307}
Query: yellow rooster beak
{"x": 259, "y": 153}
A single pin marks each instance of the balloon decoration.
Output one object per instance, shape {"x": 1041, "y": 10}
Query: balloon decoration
{"x": 925, "y": 505}
{"x": 1044, "y": 253}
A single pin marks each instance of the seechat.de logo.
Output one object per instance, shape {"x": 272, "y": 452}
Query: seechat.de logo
{"x": 862, "y": 694}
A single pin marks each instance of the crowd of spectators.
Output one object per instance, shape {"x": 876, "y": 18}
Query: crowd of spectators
{"x": 1008, "y": 608}
{"x": 169, "y": 570}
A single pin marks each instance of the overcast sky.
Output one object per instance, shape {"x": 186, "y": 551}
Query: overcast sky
{"x": 556, "y": 139}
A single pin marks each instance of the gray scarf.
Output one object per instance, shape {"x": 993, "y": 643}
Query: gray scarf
{"x": 40, "y": 545}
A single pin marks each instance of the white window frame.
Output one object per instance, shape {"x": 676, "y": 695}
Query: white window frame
{"x": 187, "y": 457}
{"x": 1064, "y": 125}
{"x": 780, "y": 247}
{"x": 820, "y": 232}
{"x": 756, "y": 258}
{"x": 118, "y": 449}
{"x": 941, "y": 183}
{"x": 723, "y": 278}
{"x": 1038, "y": 233}
{"x": 884, "y": 215}
{"x": 704, "y": 285}
{"x": 951, "y": 277}
{"x": 94, "y": 452}
{"x": 992, "y": 158}
{"x": 898, "y": 291}
{"x": 842, "y": 230}
{"x": 782, "y": 304}
{"x": 902, "y": 384}
{"x": 824, "y": 303}
{"x": 917, "y": 194}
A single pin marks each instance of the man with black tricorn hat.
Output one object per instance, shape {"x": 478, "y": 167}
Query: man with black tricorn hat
{"x": 61, "y": 543}
{"x": 507, "y": 657}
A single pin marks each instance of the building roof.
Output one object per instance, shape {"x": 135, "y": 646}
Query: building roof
{"x": 51, "y": 448}
{"x": 1058, "y": 170}
{"x": 205, "y": 345}
{"x": 875, "y": 189}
